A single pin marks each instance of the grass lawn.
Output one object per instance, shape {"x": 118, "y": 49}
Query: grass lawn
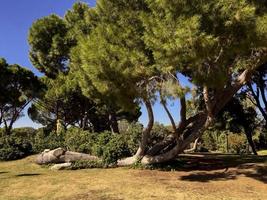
{"x": 24, "y": 180}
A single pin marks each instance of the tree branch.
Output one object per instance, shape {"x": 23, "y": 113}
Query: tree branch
{"x": 163, "y": 102}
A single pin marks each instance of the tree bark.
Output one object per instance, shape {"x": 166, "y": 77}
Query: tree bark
{"x": 188, "y": 130}
{"x": 251, "y": 143}
{"x": 144, "y": 140}
{"x": 193, "y": 149}
{"x": 113, "y": 123}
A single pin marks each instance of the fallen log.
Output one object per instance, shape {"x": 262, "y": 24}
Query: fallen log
{"x": 60, "y": 155}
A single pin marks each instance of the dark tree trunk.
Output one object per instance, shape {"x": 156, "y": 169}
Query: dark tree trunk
{"x": 144, "y": 140}
{"x": 113, "y": 123}
{"x": 251, "y": 143}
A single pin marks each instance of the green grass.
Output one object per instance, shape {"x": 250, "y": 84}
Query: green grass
{"x": 25, "y": 180}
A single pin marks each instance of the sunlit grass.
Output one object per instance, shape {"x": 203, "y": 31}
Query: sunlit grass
{"x": 25, "y": 180}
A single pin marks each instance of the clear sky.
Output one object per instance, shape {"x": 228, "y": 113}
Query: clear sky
{"x": 17, "y": 16}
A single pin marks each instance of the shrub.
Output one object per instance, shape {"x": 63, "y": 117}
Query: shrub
{"x": 79, "y": 140}
{"x": 237, "y": 143}
{"x": 210, "y": 140}
{"x": 115, "y": 149}
{"x": 112, "y": 147}
{"x": 45, "y": 140}
{"x": 14, "y": 147}
{"x": 101, "y": 141}
{"x": 132, "y": 136}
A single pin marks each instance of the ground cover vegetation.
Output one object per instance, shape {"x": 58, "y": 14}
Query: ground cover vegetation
{"x": 100, "y": 64}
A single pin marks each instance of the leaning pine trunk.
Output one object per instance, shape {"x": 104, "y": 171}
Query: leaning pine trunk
{"x": 201, "y": 122}
{"x": 144, "y": 140}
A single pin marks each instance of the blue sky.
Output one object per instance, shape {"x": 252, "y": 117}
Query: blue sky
{"x": 17, "y": 16}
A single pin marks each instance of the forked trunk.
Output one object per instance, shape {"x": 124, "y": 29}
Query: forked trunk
{"x": 188, "y": 130}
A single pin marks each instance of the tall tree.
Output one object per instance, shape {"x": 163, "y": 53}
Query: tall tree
{"x": 18, "y": 87}
{"x": 52, "y": 38}
{"x": 216, "y": 44}
{"x": 237, "y": 118}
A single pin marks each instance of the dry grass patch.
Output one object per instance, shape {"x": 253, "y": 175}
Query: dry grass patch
{"x": 24, "y": 180}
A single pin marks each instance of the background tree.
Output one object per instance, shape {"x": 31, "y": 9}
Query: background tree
{"x": 18, "y": 87}
{"x": 235, "y": 118}
{"x": 256, "y": 91}
{"x": 51, "y": 39}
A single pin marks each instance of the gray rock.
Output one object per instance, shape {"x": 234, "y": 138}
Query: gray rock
{"x": 60, "y": 166}
{"x": 59, "y": 155}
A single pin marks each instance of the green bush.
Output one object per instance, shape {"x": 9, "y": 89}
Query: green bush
{"x": 158, "y": 133}
{"x": 79, "y": 140}
{"x": 47, "y": 140}
{"x": 112, "y": 147}
{"x": 237, "y": 143}
{"x": 14, "y": 147}
{"x": 210, "y": 140}
{"x": 115, "y": 149}
{"x": 132, "y": 136}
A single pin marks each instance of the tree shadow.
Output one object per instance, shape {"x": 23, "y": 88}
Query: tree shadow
{"x": 28, "y": 174}
{"x": 252, "y": 171}
{"x": 206, "y": 177}
{"x": 259, "y": 173}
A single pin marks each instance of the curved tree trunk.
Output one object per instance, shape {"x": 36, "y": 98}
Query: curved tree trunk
{"x": 189, "y": 129}
{"x": 193, "y": 149}
{"x": 251, "y": 143}
{"x": 197, "y": 130}
{"x": 144, "y": 140}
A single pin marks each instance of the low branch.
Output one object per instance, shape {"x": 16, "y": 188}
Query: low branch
{"x": 146, "y": 132}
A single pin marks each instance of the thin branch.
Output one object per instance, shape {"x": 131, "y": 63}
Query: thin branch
{"x": 257, "y": 101}
{"x": 168, "y": 113}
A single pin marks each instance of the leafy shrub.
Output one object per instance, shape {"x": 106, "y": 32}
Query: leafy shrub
{"x": 115, "y": 149}
{"x": 45, "y": 140}
{"x": 14, "y": 147}
{"x": 79, "y": 140}
{"x": 158, "y": 133}
{"x": 101, "y": 141}
{"x": 210, "y": 140}
{"x": 26, "y": 132}
{"x": 132, "y": 136}
{"x": 112, "y": 147}
{"x": 237, "y": 143}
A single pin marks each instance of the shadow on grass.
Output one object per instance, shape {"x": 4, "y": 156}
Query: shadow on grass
{"x": 224, "y": 176}
{"x": 3, "y": 172}
{"x": 241, "y": 165}
{"x": 28, "y": 174}
{"x": 206, "y": 177}
{"x": 248, "y": 166}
